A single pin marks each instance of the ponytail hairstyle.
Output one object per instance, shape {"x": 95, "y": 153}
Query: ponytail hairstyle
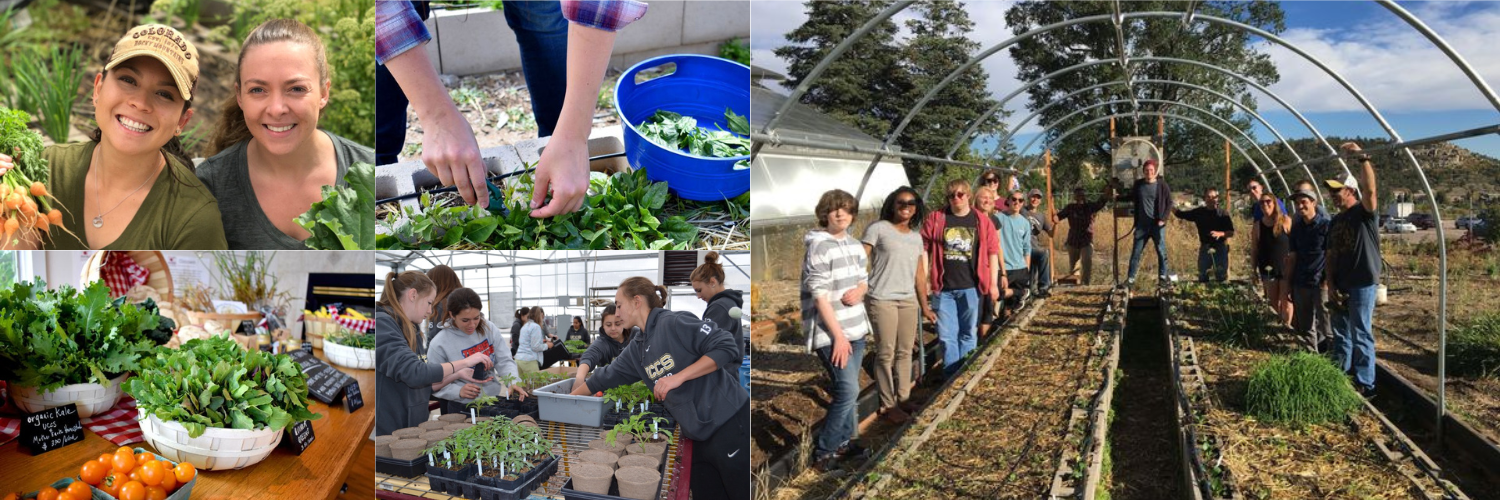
{"x": 395, "y": 286}
{"x": 609, "y": 310}
{"x": 462, "y": 299}
{"x": 446, "y": 281}
{"x": 536, "y": 315}
{"x": 656, "y": 295}
{"x": 710, "y": 269}
{"x": 231, "y": 128}
{"x": 522, "y": 313}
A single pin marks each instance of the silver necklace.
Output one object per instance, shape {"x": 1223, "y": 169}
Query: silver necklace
{"x": 99, "y": 219}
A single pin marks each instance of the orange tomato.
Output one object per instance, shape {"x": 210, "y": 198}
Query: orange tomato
{"x": 108, "y": 459}
{"x": 65, "y": 495}
{"x": 143, "y": 457}
{"x": 12, "y": 496}
{"x": 79, "y": 490}
{"x": 152, "y": 472}
{"x": 113, "y": 482}
{"x": 93, "y": 471}
{"x": 155, "y": 493}
{"x": 124, "y": 460}
{"x": 133, "y": 490}
{"x": 185, "y": 472}
{"x": 168, "y": 479}
{"x": 48, "y": 493}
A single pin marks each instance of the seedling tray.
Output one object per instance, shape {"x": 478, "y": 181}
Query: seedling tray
{"x": 403, "y": 468}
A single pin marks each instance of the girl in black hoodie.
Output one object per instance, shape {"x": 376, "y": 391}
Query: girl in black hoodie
{"x": 678, "y": 357}
{"x": 723, "y": 304}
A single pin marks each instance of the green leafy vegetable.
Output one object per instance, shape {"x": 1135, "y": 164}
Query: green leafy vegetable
{"x": 52, "y": 338}
{"x": 353, "y": 339}
{"x": 673, "y": 130}
{"x": 344, "y": 220}
{"x": 576, "y": 346}
{"x": 619, "y": 214}
{"x": 1300, "y": 389}
{"x": 22, "y": 145}
{"x": 214, "y": 382}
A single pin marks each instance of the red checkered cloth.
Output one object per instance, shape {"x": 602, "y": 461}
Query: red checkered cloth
{"x": 121, "y": 273}
{"x": 358, "y": 325}
{"x": 119, "y": 425}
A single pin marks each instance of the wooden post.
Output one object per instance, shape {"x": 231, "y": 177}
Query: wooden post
{"x": 1224, "y": 200}
{"x": 1051, "y": 213}
{"x": 1114, "y": 205}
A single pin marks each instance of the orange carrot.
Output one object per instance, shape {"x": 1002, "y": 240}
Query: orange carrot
{"x": 4, "y": 191}
{"x": 13, "y": 201}
{"x": 41, "y": 223}
{"x": 28, "y": 206}
{"x": 37, "y": 189}
{"x": 55, "y": 217}
{"x": 11, "y": 225}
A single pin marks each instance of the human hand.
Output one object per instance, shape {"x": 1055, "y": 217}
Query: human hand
{"x": 6, "y": 163}
{"x": 479, "y": 358}
{"x": 853, "y": 296}
{"x": 1160, "y": 223}
{"x": 1216, "y": 234}
{"x": 470, "y": 391}
{"x": 450, "y": 153}
{"x": 467, "y": 374}
{"x": 1350, "y": 148}
{"x": 931, "y": 316}
{"x": 564, "y": 171}
{"x": 842, "y": 349}
{"x": 516, "y": 390}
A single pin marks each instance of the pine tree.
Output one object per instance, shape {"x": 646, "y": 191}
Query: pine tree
{"x": 865, "y": 87}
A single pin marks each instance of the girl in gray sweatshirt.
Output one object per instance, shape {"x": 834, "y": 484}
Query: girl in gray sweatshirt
{"x": 465, "y": 333}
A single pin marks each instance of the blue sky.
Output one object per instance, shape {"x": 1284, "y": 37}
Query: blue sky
{"x": 1411, "y": 82}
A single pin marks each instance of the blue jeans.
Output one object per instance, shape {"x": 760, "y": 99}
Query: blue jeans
{"x": 1153, "y": 232}
{"x": 842, "y": 424}
{"x": 1040, "y": 271}
{"x": 1353, "y": 341}
{"x": 958, "y": 314}
{"x": 542, "y": 33}
{"x": 1218, "y": 261}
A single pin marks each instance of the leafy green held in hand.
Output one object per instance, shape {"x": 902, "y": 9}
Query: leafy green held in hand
{"x": 619, "y": 213}
{"x": 344, "y": 220}
{"x": 214, "y": 382}
{"x": 22, "y": 145}
{"x": 52, "y": 338}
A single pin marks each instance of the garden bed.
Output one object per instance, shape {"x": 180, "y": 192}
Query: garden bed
{"x": 1237, "y": 456}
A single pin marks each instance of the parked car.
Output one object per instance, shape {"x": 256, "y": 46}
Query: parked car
{"x": 1422, "y": 221}
{"x": 1467, "y": 222}
{"x": 1399, "y": 225}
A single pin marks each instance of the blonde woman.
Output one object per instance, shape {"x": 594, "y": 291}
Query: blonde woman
{"x": 272, "y": 160}
{"x": 1273, "y": 254}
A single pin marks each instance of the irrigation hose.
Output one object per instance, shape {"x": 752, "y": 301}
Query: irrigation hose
{"x": 500, "y": 177}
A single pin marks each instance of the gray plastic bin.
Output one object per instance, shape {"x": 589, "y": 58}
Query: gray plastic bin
{"x": 556, "y": 405}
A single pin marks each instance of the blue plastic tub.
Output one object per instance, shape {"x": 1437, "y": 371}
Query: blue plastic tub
{"x": 700, "y": 87}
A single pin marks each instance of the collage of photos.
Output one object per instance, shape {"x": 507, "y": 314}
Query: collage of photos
{"x": 503, "y": 249}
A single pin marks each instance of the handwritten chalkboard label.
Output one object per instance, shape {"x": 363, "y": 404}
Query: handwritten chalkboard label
{"x": 300, "y": 436}
{"x": 308, "y": 347}
{"x": 324, "y": 383}
{"x": 352, "y": 398}
{"x": 51, "y": 429}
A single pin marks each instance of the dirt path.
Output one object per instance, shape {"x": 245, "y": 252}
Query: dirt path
{"x": 1143, "y": 435}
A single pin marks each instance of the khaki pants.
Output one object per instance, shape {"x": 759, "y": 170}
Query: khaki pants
{"x": 895, "y": 329}
{"x": 1081, "y": 262}
{"x": 525, "y": 367}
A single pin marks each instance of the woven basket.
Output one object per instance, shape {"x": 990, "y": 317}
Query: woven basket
{"x": 352, "y": 357}
{"x": 314, "y": 329}
{"x": 90, "y": 398}
{"x": 216, "y": 449}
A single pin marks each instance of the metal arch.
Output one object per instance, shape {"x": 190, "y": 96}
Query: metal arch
{"x": 1102, "y": 119}
{"x": 1242, "y": 133}
{"x": 1032, "y": 162}
{"x": 1017, "y": 126}
{"x": 1432, "y": 36}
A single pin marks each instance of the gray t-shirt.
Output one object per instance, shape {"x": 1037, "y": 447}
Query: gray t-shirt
{"x": 1143, "y": 218}
{"x": 894, "y": 270}
{"x": 246, "y": 226}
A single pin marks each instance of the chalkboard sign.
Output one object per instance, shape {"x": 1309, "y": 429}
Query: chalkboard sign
{"x": 299, "y": 436}
{"x": 307, "y": 346}
{"x": 51, "y": 429}
{"x": 324, "y": 383}
{"x": 353, "y": 400}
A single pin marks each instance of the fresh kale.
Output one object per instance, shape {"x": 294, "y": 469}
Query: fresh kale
{"x": 215, "y": 383}
{"x": 52, "y": 338}
{"x": 619, "y": 213}
{"x": 344, "y": 220}
{"x": 673, "y": 130}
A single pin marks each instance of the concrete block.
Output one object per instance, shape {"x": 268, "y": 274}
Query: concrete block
{"x": 475, "y": 41}
{"x": 714, "y": 21}
{"x": 660, "y": 27}
{"x": 624, "y": 61}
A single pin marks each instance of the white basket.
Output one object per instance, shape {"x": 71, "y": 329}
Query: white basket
{"x": 216, "y": 449}
{"x": 352, "y": 357}
{"x": 91, "y": 398}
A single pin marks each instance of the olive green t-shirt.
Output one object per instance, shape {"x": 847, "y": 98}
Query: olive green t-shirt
{"x": 246, "y": 227}
{"x": 177, "y": 214}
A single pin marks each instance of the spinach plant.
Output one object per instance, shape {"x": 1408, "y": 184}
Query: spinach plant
{"x": 673, "y": 130}
{"x": 213, "y": 382}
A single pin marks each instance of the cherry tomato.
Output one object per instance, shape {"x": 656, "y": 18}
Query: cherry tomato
{"x": 112, "y": 483}
{"x": 152, "y": 472}
{"x": 12, "y": 496}
{"x": 155, "y": 493}
{"x": 143, "y": 457}
{"x": 108, "y": 459}
{"x": 79, "y": 490}
{"x": 124, "y": 460}
{"x": 93, "y": 471}
{"x": 133, "y": 490}
{"x": 185, "y": 472}
{"x": 48, "y": 493}
{"x": 65, "y": 495}
{"x": 168, "y": 479}
{"x": 135, "y": 475}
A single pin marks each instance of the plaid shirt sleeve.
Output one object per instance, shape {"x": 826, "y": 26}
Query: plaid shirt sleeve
{"x": 607, "y": 15}
{"x": 397, "y": 29}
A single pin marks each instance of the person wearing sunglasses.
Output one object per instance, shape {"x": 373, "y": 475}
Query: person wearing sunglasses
{"x": 1015, "y": 242}
{"x": 1352, "y": 265}
{"x": 1043, "y": 227}
{"x": 963, "y": 253}
{"x": 898, "y": 293}
{"x": 1215, "y": 227}
{"x": 1152, "y": 204}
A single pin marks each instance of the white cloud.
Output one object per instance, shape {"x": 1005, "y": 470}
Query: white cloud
{"x": 1394, "y": 66}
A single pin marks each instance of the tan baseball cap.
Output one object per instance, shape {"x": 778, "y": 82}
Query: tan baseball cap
{"x": 164, "y": 44}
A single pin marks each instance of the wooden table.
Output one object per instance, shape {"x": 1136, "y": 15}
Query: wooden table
{"x": 318, "y": 473}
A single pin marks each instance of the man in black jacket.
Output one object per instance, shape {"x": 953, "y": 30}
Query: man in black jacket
{"x": 1215, "y": 227}
{"x": 1152, "y": 200}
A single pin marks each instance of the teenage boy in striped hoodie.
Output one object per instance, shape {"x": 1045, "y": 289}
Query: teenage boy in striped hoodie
{"x": 833, "y": 317}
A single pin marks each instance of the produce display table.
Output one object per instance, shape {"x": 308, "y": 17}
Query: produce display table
{"x": 320, "y": 472}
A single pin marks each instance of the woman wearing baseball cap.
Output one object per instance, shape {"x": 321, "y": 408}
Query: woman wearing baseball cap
{"x": 270, "y": 160}
{"x": 130, "y": 186}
